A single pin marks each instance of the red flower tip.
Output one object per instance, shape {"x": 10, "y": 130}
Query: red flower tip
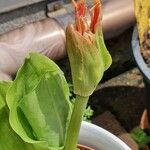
{"x": 80, "y": 10}
{"x": 80, "y": 7}
{"x": 95, "y": 12}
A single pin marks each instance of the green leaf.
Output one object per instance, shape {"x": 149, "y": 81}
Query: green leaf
{"x": 39, "y": 103}
{"x": 88, "y": 113}
{"x": 9, "y": 140}
{"x": 140, "y": 137}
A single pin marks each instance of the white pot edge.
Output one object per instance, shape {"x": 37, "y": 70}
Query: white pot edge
{"x": 99, "y": 138}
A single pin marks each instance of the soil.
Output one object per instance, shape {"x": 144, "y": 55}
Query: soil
{"x": 145, "y": 48}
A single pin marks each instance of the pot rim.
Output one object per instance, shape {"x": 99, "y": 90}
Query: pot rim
{"x": 87, "y": 127}
{"x": 138, "y": 56}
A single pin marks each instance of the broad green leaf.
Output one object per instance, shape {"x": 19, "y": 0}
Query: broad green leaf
{"x": 9, "y": 140}
{"x": 39, "y": 103}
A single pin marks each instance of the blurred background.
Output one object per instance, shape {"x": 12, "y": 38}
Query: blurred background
{"x": 39, "y": 25}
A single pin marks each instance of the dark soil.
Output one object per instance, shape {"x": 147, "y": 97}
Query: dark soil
{"x": 145, "y": 49}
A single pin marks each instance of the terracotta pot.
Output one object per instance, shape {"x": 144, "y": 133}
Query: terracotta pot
{"x": 82, "y": 147}
{"x": 144, "y": 123}
{"x": 146, "y": 148}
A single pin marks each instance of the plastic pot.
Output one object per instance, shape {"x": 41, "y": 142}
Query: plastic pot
{"x": 99, "y": 139}
{"x": 138, "y": 56}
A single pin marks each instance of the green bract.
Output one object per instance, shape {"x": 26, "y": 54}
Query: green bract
{"x": 9, "y": 140}
{"x": 88, "y": 59}
{"x": 38, "y": 101}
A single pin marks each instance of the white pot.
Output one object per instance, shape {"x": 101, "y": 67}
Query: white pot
{"x": 99, "y": 139}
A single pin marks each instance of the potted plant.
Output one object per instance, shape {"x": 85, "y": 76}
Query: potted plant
{"x": 35, "y": 110}
{"x": 141, "y": 53}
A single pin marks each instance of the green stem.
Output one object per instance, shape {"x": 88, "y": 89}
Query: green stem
{"x": 75, "y": 123}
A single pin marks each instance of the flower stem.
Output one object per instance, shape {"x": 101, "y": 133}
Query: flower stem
{"x": 75, "y": 123}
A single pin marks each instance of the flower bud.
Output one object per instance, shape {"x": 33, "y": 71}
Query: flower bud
{"x": 86, "y": 49}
